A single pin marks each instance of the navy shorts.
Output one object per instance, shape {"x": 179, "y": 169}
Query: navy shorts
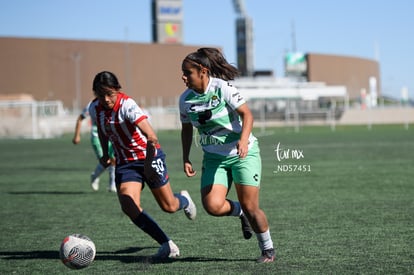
{"x": 134, "y": 171}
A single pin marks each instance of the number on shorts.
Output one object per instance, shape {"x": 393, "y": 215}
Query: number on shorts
{"x": 158, "y": 166}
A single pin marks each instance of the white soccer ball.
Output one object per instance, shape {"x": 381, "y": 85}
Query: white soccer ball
{"x": 77, "y": 251}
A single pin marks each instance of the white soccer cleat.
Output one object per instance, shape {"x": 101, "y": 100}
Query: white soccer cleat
{"x": 112, "y": 188}
{"x": 191, "y": 210}
{"x": 168, "y": 250}
{"x": 94, "y": 183}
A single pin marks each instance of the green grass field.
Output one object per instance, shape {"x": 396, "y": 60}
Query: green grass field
{"x": 352, "y": 213}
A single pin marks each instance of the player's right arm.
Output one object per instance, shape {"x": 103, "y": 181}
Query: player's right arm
{"x": 76, "y": 137}
{"x": 186, "y": 140}
{"x": 103, "y": 139}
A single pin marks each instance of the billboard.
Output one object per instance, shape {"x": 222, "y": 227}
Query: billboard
{"x": 296, "y": 64}
{"x": 167, "y": 17}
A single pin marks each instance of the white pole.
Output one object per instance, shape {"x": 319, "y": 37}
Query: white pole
{"x": 333, "y": 120}
{"x": 296, "y": 113}
{"x": 34, "y": 120}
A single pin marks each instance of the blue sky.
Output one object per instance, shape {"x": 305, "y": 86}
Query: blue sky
{"x": 372, "y": 29}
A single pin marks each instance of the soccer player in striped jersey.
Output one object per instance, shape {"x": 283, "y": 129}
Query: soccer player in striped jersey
{"x": 231, "y": 152}
{"x": 97, "y": 149}
{"x": 139, "y": 160}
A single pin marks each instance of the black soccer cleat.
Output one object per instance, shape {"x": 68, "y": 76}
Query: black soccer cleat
{"x": 268, "y": 256}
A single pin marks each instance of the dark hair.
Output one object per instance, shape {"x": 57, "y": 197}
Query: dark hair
{"x": 214, "y": 61}
{"x": 105, "y": 80}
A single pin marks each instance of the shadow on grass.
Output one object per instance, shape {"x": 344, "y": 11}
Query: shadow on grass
{"x": 119, "y": 255}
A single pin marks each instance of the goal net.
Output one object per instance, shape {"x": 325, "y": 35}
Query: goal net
{"x": 30, "y": 119}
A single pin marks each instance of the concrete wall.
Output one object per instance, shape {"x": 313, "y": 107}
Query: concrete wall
{"x": 389, "y": 115}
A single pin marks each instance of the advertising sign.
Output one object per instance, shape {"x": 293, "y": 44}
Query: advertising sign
{"x": 296, "y": 64}
{"x": 167, "y": 21}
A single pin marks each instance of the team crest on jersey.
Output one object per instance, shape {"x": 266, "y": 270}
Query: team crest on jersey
{"x": 133, "y": 112}
{"x": 215, "y": 101}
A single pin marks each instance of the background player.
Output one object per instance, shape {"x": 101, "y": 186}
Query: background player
{"x": 97, "y": 149}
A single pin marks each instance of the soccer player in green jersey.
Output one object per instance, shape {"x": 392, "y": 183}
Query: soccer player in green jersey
{"x": 97, "y": 149}
{"x": 231, "y": 153}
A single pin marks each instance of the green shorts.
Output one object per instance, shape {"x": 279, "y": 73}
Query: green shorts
{"x": 97, "y": 149}
{"x": 225, "y": 170}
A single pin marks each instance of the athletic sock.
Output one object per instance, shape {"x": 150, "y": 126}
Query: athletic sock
{"x": 183, "y": 202}
{"x": 111, "y": 170}
{"x": 235, "y": 208}
{"x": 149, "y": 226}
{"x": 98, "y": 171}
{"x": 265, "y": 240}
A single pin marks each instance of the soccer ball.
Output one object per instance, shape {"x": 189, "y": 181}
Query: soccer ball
{"x": 77, "y": 251}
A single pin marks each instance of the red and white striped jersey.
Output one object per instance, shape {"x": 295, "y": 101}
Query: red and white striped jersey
{"x": 120, "y": 126}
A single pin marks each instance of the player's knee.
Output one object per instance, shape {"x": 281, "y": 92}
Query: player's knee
{"x": 250, "y": 209}
{"x": 214, "y": 207}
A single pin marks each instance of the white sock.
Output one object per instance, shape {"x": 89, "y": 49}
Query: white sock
{"x": 265, "y": 240}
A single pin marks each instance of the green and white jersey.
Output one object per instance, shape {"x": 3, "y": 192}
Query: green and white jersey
{"x": 214, "y": 114}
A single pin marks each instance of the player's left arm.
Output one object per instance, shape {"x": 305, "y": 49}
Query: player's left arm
{"x": 247, "y": 126}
